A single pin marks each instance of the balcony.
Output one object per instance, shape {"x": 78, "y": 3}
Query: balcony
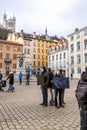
{"x": 7, "y": 60}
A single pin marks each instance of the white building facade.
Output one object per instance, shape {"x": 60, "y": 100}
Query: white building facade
{"x": 77, "y": 52}
{"x": 58, "y": 58}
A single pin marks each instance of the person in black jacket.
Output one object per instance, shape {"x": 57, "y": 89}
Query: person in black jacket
{"x": 11, "y": 82}
{"x": 83, "y": 102}
{"x": 44, "y": 86}
{"x": 50, "y": 76}
{"x": 27, "y": 78}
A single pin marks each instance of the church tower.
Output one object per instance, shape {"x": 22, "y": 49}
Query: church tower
{"x": 4, "y": 20}
{"x": 9, "y": 23}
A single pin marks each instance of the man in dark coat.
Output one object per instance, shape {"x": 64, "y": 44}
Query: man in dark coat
{"x": 44, "y": 86}
{"x": 11, "y": 81}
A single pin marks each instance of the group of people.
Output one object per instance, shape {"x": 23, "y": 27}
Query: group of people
{"x": 10, "y": 77}
{"x": 47, "y": 84}
{"x": 20, "y": 76}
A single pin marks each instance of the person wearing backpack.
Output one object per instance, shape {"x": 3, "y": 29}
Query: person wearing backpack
{"x": 81, "y": 95}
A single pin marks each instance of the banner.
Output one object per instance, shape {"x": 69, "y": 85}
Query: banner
{"x": 60, "y": 82}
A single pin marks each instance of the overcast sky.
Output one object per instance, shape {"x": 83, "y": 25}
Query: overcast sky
{"x": 60, "y": 17}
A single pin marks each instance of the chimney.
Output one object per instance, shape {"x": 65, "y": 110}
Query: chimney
{"x": 34, "y": 34}
{"x": 76, "y": 30}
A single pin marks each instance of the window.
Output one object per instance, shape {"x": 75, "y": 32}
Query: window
{"x": 38, "y": 63}
{"x": 64, "y": 64}
{"x": 34, "y": 63}
{"x": 14, "y": 66}
{"x": 78, "y": 46}
{"x": 85, "y": 57}
{"x": 14, "y": 56}
{"x": 72, "y": 60}
{"x": 7, "y": 56}
{"x": 0, "y": 65}
{"x": 28, "y": 43}
{"x": 28, "y": 51}
{"x": 56, "y": 57}
{"x": 49, "y": 58}
{"x": 34, "y": 50}
{"x": 7, "y": 48}
{"x": 60, "y": 56}
{"x": 52, "y": 58}
{"x": 7, "y": 67}
{"x": 64, "y": 55}
{"x": 56, "y": 65}
{"x": 24, "y": 42}
{"x": 38, "y": 50}
{"x": 78, "y": 59}
{"x": 34, "y": 44}
{"x": 34, "y": 56}
{"x": 72, "y": 70}
{"x": 0, "y": 55}
{"x": 72, "y": 48}
{"x": 24, "y": 51}
{"x": 79, "y": 70}
{"x": 85, "y": 44}
{"x": 72, "y": 38}
{"x": 78, "y": 35}
{"x": 85, "y": 32}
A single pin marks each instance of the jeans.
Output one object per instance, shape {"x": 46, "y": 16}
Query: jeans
{"x": 45, "y": 95}
{"x": 11, "y": 87}
{"x": 83, "y": 116}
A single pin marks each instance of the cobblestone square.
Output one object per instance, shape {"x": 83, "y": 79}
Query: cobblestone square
{"x": 21, "y": 110}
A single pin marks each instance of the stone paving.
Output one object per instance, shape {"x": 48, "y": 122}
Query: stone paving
{"x": 21, "y": 110}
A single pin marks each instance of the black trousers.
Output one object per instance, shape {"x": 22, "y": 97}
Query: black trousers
{"x": 83, "y": 117}
{"x": 58, "y": 95}
{"x": 20, "y": 81}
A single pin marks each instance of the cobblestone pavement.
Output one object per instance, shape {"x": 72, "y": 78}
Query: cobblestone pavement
{"x": 21, "y": 110}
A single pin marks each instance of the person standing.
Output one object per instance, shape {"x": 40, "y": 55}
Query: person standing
{"x": 50, "y": 76}
{"x": 81, "y": 95}
{"x": 58, "y": 92}
{"x": 11, "y": 81}
{"x": 44, "y": 86}
{"x": 20, "y": 75}
{"x": 27, "y": 78}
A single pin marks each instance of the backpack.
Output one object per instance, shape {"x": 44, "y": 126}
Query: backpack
{"x": 81, "y": 93}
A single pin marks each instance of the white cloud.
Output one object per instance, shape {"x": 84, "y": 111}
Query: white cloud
{"x": 59, "y": 16}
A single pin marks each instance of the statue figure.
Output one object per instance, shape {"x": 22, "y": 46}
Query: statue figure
{"x": 21, "y": 62}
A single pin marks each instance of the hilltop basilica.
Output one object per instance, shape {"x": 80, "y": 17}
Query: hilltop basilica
{"x": 8, "y": 23}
